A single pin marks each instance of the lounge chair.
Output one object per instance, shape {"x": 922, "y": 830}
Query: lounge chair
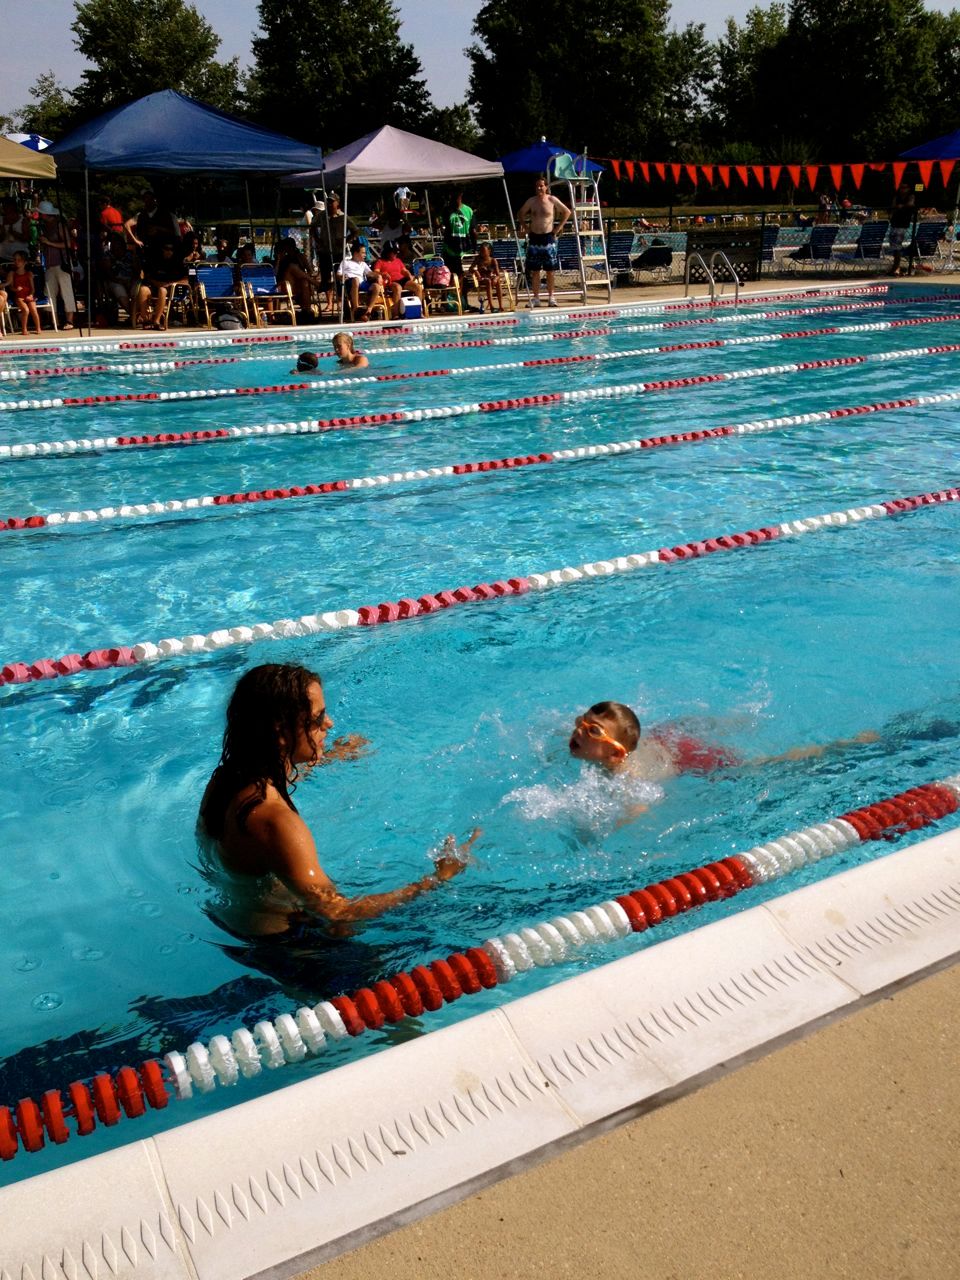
{"x": 926, "y": 248}
{"x": 868, "y": 249}
{"x": 768, "y": 246}
{"x": 619, "y": 249}
{"x": 656, "y": 258}
{"x": 818, "y": 249}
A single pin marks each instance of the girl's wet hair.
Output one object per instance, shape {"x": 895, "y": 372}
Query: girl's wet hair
{"x": 623, "y": 719}
{"x": 266, "y": 712}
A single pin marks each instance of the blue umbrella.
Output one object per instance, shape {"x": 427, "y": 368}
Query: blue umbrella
{"x": 35, "y": 141}
{"x": 537, "y": 156}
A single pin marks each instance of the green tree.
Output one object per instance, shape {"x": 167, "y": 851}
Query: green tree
{"x": 612, "y": 77}
{"x": 136, "y": 47}
{"x": 50, "y": 111}
{"x": 748, "y": 60}
{"x": 335, "y": 69}
{"x": 454, "y": 126}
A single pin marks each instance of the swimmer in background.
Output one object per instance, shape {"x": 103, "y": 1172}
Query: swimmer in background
{"x": 609, "y": 735}
{"x": 348, "y": 357}
{"x": 262, "y": 852}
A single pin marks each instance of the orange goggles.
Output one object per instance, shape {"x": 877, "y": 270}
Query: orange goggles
{"x": 598, "y": 733}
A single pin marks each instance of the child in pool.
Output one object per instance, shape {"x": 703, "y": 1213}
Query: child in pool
{"x": 609, "y": 735}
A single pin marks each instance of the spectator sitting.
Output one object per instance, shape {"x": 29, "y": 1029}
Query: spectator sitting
{"x": 396, "y": 278}
{"x": 485, "y": 276}
{"x": 20, "y": 280}
{"x": 120, "y": 273}
{"x": 190, "y": 250}
{"x": 293, "y": 268}
{"x": 15, "y": 236}
{"x": 164, "y": 269}
{"x": 224, "y": 258}
{"x": 358, "y": 278}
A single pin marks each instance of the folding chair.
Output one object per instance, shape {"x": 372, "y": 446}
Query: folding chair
{"x": 656, "y": 258}
{"x": 868, "y": 247}
{"x": 768, "y": 246}
{"x": 926, "y": 248}
{"x": 441, "y": 297}
{"x": 40, "y": 296}
{"x": 216, "y": 284}
{"x": 265, "y": 295}
{"x": 619, "y": 249}
{"x": 819, "y": 247}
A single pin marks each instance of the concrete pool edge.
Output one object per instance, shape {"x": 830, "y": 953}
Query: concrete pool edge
{"x": 237, "y": 1193}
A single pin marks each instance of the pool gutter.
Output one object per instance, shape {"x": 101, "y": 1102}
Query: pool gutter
{"x": 274, "y": 1185}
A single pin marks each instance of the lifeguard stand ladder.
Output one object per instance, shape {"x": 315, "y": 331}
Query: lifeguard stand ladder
{"x": 580, "y": 194}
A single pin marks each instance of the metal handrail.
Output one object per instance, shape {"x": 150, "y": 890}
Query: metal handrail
{"x": 718, "y": 253}
{"x": 691, "y": 259}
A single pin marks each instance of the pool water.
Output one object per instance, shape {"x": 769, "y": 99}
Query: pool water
{"x": 106, "y": 954}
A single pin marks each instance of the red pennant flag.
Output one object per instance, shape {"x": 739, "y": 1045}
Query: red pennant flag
{"x": 878, "y": 166}
{"x": 691, "y": 172}
{"x": 946, "y": 168}
{"x": 775, "y": 170}
{"x": 661, "y": 170}
{"x": 675, "y": 170}
{"x": 615, "y": 166}
{"x": 630, "y": 169}
{"x": 741, "y": 173}
{"x": 758, "y": 172}
{"x": 836, "y": 173}
{"x": 794, "y": 172}
{"x": 898, "y": 167}
{"x": 645, "y": 170}
{"x": 724, "y": 172}
{"x": 813, "y": 171}
{"x": 926, "y": 169}
{"x": 856, "y": 172}
{"x": 708, "y": 172}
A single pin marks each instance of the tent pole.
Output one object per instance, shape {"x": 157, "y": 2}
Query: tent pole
{"x": 326, "y": 220}
{"x": 346, "y": 214}
{"x": 426, "y": 201}
{"x": 521, "y": 278}
{"x": 246, "y": 188}
{"x": 89, "y": 238}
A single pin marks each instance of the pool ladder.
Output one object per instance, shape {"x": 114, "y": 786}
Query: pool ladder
{"x": 710, "y": 273}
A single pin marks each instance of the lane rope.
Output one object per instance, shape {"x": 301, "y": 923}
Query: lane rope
{"x": 141, "y": 511}
{"x": 98, "y": 444}
{"x": 292, "y": 1037}
{"x": 129, "y": 655}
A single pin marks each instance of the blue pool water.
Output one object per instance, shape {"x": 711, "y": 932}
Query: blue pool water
{"x": 106, "y": 955}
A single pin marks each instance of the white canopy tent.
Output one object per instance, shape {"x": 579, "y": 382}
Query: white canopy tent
{"x": 390, "y": 155}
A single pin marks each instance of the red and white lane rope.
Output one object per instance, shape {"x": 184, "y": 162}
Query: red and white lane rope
{"x": 598, "y": 357}
{"x": 141, "y": 511}
{"x": 408, "y": 607}
{"x": 98, "y": 444}
{"x": 444, "y": 326}
{"x": 292, "y": 1037}
{"x": 167, "y": 366}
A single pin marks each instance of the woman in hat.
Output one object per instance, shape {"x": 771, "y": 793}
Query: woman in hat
{"x": 56, "y": 260}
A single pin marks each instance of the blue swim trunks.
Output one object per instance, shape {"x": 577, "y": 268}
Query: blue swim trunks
{"x": 542, "y": 252}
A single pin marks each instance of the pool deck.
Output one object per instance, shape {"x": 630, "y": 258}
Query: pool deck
{"x": 836, "y": 1157}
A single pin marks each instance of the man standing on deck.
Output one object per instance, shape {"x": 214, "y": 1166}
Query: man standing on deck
{"x": 540, "y": 213}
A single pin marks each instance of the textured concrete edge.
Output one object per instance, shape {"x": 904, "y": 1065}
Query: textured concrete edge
{"x": 170, "y": 1179}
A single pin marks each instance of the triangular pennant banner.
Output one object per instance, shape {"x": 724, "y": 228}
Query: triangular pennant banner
{"x": 946, "y": 168}
{"x": 813, "y": 171}
{"x": 691, "y": 172}
{"x": 836, "y": 175}
{"x": 878, "y": 166}
{"x": 775, "y": 171}
{"x": 926, "y": 169}
{"x": 630, "y": 170}
{"x": 675, "y": 169}
{"x": 645, "y": 170}
{"x": 661, "y": 170}
{"x": 856, "y": 172}
{"x": 724, "y": 172}
{"x": 758, "y": 172}
{"x": 742, "y": 173}
{"x": 707, "y": 170}
{"x": 898, "y": 167}
{"x": 615, "y": 166}
{"x": 794, "y": 172}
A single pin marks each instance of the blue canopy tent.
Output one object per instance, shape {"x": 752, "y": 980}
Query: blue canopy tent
{"x": 168, "y": 132}
{"x": 541, "y": 157}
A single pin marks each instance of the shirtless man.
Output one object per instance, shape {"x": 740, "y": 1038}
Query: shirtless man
{"x": 540, "y": 213}
{"x": 262, "y": 853}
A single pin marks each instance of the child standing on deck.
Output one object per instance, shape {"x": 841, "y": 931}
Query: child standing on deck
{"x": 20, "y": 280}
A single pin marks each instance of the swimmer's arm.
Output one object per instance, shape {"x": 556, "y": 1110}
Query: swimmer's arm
{"x": 630, "y": 814}
{"x": 815, "y": 750}
{"x": 292, "y": 857}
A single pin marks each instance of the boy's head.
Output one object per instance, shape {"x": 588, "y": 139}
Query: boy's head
{"x": 606, "y": 734}
{"x": 307, "y": 362}
{"x": 358, "y": 251}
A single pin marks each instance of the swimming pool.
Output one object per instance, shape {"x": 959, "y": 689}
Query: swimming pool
{"x": 107, "y": 954}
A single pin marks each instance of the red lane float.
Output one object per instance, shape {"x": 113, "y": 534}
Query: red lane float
{"x": 428, "y": 987}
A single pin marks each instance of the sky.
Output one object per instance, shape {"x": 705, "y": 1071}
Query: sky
{"x": 439, "y": 30}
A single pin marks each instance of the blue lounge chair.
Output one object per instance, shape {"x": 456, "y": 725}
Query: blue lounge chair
{"x": 868, "y": 249}
{"x": 265, "y": 295}
{"x": 818, "y": 249}
{"x": 619, "y": 250}
{"x": 771, "y": 234}
{"x": 216, "y": 284}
